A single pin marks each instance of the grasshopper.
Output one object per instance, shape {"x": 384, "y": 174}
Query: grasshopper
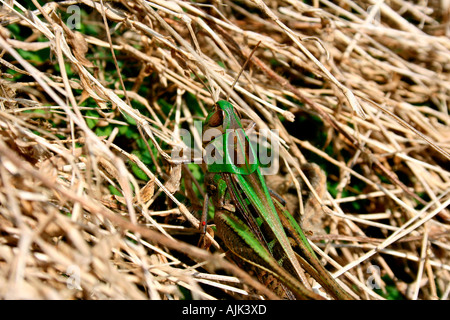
{"x": 251, "y": 221}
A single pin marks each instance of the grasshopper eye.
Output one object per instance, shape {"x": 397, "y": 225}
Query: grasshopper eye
{"x": 216, "y": 119}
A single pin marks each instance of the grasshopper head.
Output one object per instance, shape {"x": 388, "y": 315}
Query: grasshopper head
{"x": 221, "y": 118}
{"x": 227, "y": 146}
{"x": 214, "y": 118}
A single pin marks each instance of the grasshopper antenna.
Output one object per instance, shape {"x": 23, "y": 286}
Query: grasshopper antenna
{"x": 203, "y": 82}
{"x": 243, "y": 67}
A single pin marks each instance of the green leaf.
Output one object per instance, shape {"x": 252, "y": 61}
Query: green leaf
{"x": 138, "y": 172}
{"x": 129, "y": 119}
{"x": 193, "y": 104}
{"x": 196, "y": 172}
{"x": 113, "y": 190}
{"x": 104, "y": 131}
{"x": 92, "y": 122}
{"x": 165, "y": 106}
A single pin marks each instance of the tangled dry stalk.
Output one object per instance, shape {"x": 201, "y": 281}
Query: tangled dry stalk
{"x": 370, "y": 84}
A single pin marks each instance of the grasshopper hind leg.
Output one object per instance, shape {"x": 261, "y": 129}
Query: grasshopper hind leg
{"x": 203, "y": 226}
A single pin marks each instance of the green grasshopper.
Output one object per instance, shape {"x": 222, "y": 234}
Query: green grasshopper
{"x": 252, "y": 222}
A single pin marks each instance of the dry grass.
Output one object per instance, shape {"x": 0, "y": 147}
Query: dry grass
{"x": 371, "y": 97}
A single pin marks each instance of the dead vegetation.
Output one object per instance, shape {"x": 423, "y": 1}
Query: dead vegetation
{"x": 91, "y": 205}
